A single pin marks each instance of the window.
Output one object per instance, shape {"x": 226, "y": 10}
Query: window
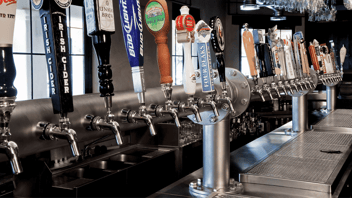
{"x": 178, "y": 57}
{"x": 244, "y": 62}
{"x": 32, "y": 81}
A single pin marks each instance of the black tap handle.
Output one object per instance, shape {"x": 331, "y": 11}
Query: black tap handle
{"x": 53, "y": 19}
{"x": 259, "y": 53}
{"x": 218, "y": 43}
{"x": 100, "y": 26}
{"x": 102, "y": 45}
{"x": 220, "y": 63}
{"x": 268, "y": 60}
{"x": 7, "y": 73}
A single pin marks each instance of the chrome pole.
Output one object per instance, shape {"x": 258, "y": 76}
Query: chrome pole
{"x": 331, "y": 98}
{"x": 216, "y": 155}
{"x": 299, "y": 113}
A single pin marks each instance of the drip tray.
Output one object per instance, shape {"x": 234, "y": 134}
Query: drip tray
{"x": 339, "y": 119}
{"x": 301, "y": 164}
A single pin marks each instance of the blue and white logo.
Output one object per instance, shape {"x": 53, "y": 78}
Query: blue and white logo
{"x": 132, "y": 28}
{"x": 206, "y": 71}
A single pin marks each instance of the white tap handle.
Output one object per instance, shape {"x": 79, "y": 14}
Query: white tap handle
{"x": 189, "y": 77}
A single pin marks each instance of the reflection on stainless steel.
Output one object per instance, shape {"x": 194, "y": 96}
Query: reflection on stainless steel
{"x": 338, "y": 120}
{"x": 331, "y": 98}
{"x": 299, "y": 113}
{"x": 129, "y": 116}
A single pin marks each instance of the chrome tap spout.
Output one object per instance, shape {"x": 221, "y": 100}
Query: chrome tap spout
{"x": 209, "y": 102}
{"x": 274, "y": 86}
{"x": 282, "y": 86}
{"x": 267, "y": 88}
{"x": 10, "y": 149}
{"x": 133, "y": 117}
{"x": 225, "y": 98}
{"x": 182, "y": 107}
{"x": 54, "y": 132}
{"x": 257, "y": 89}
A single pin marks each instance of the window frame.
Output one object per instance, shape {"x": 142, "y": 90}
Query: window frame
{"x": 87, "y": 52}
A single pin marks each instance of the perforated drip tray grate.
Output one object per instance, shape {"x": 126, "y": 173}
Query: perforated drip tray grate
{"x": 301, "y": 162}
{"x": 338, "y": 118}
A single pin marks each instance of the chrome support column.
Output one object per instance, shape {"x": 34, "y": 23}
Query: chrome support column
{"x": 299, "y": 113}
{"x": 331, "y": 98}
{"x": 216, "y": 155}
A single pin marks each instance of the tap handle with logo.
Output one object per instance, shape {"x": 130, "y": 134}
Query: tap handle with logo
{"x": 158, "y": 24}
{"x": 132, "y": 29}
{"x": 313, "y": 57}
{"x": 206, "y": 71}
{"x": 100, "y": 25}
{"x": 185, "y": 25}
{"x": 218, "y": 43}
{"x": 248, "y": 43}
{"x": 53, "y": 20}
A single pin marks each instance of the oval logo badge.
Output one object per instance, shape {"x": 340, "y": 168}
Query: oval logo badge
{"x": 63, "y": 3}
{"x": 37, "y": 4}
{"x": 155, "y": 16}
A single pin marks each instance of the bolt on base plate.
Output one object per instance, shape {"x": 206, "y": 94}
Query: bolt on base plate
{"x": 196, "y": 189}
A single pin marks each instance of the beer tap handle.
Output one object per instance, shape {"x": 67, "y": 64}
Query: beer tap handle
{"x": 204, "y": 33}
{"x": 185, "y": 25}
{"x": 158, "y": 24}
{"x": 130, "y": 13}
{"x": 248, "y": 43}
{"x": 343, "y": 51}
{"x": 53, "y": 19}
{"x": 314, "y": 58}
{"x": 218, "y": 43}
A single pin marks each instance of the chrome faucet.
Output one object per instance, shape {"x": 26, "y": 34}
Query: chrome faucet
{"x": 160, "y": 111}
{"x": 97, "y": 123}
{"x": 225, "y": 98}
{"x": 259, "y": 90}
{"x": 282, "y": 86}
{"x": 133, "y": 117}
{"x": 209, "y": 101}
{"x": 7, "y": 147}
{"x": 191, "y": 105}
{"x": 287, "y": 84}
{"x": 267, "y": 88}
{"x": 62, "y": 131}
{"x": 275, "y": 87}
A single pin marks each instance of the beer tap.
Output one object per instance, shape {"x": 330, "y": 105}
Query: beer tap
{"x": 264, "y": 57}
{"x": 343, "y": 51}
{"x": 281, "y": 55}
{"x": 327, "y": 59}
{"x": 100, "y": 26}
{"x": 249, "y": 46}
{"x": 158, "y": 24}
{"x": 133, "y": 36}
{"x": 8, "y": 91}
{"x": 218, "y": 43}
{"x": 304, "y": 58}
{"x": 204, "y": 34}
{"x": 53, "y": 20}
{"x": 290, "y": 65}
{"x": 333, "y": 54}
{"x": 296, "y": 48}
{"x": 185, "y": 25}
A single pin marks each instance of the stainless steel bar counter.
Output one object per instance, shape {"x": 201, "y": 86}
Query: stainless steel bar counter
{"x": 314, "y": 163}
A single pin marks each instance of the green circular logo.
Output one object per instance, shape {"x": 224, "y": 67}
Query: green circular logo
{"x": 155, "y": 16}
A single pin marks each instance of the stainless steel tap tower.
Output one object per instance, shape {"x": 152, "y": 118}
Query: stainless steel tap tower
{"x": 216, "y": 139}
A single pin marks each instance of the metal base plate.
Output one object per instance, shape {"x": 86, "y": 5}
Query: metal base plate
{"x": 200, "y": 191}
